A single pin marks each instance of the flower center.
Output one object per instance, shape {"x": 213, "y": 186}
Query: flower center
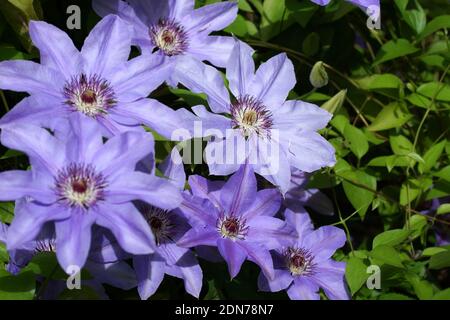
{"x": 45, "y": 245}
{"x": 299, "y": 261}
{"x": 78, "y": 185}
{"x": 160, "y": 223}
{"x": 232, "y": 227}
{"x": 91, "y": 95}
{"x": 169, "y": 36}
{"x": 251, "y": 117}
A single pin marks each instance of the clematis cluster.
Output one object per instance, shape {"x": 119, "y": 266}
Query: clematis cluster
{"x": 95, "y": 195}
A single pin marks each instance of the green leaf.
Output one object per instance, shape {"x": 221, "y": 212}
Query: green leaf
{"x": 440, "y": 260}
{"x": 390, "y": 238}
{"x": 423, "y": 289}
{"x": 443, "y": 209}
{"x": 442, "y": 295}
{"x": 439, "y": 91}
{"x": 444, "y": 173}
{"x": 311, "y": 45}
{"x": 357, "y": 140}
{"x": 17, "y": 287}
{"x": 400, "y": 145}
{"x": 416, "y": 19}
{"x": 387, "y": 255}
{"x": 381, "y": 83}
{"x": 428, "y": 252}
{"x": 394, "y": 49}
{"x": 355, "y": 274}
{"x": 434, "y": 25}
{"x": 394, "y": 115}
{"x": 432, "y": 156}
{"x": 359, "y": 197}
{"x": 420, "y": 101}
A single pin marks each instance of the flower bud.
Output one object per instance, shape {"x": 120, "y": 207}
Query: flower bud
{"x": 318, "y": 76}
{"x": 335, "y": 102}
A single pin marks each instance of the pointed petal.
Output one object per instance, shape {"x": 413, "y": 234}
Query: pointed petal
{"x": 273, "y": 81}
{"x": 108, "y": 45}
{"x": 122, "y": 153}
{"x": 171, "y": 252}
{"x": 156, "y": 191}
{"x": 267, "y": 203}
{"x": 215, "y": 49}
{"x": 118, "y": 274}
{"x": 301, "y": 222}
{"x": 29, "y": 220}
{"x": 213, "y": 17}
{"x": 86, "y": 138}
{"x": 198, "y": 210}
{"x": 261, "y": 256}
{"x": 271, "y": 232}
{"x": 295, "y": 114}
{"x": 189, "y": 270}
{"x": 281, "y": 280}
{"x": 17, "y": 184}
{"x": 239, "y": 192}
{"x": 73, "y": 239}
{"x": 56, "y": 49}
{"x": 128, "y": 226}
{"x": 150, "y": 271}
{"x": 240, "y": 68}
{"x": 324, "y": 242}
{"x": 200, "y": 78}
{"x": 151, "y": 113}
{"x": 28, "y": 76}
{"x": 179, "y": 9}
{"x": 330, "y": 277}
{"x": 304, "y": 289}
{"x": 206, "y": 189}
{"x": 197, "y": 237}
{"x": 233, "y": 254}
{"x": 173, "y": 169}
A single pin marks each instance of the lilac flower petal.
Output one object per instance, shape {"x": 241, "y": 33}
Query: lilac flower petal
{"x": 139, "y": 186}
{"x": 42, "y": 148}
{"x": 198, "y": 237}
{"x": 28, "y": 76}
{"x": 212, "y": 17}
{"x": 301, "y": 222}
{"x": 267, "y": 203}
{"x": 171, "y": 252}
{"x": 138, "y": 77}
{"x": 150, "y": 271}
{"x": 87, "y": 139}
{"x": 128, "y": 226}
{"x": 240, "y": 68}
{"x": 281, "y": 280}
{"x": 238, "y": 193}
{"x": 303, "y": 288}
{"x": 173, "y": 169}
{"x": 118, "y": 274}
{"x": 123, "y": 152}
{"x": 189, "y": 71}
{"x": 319, "y": 202}
{"x": 206, "y": 189}
{"x": 199, "y": 210}
{"x": 324, "y": 241}
{"x": 34, "y": 110}
{"x": 150, "y": 11}
{"x": 321, "y": 2}
{"x": 16, "y": 184}
{"x": 28, "y": 222}
{"x": 56, "y": 49}
{"x": 73, "y": 239}
{"x": 309, "y": 151}
{"x": 151, "y": 113}
{"x": 3, "y": 232}
{"x": 273, "y": 81}
{"x": 211, "y": 121}
{"x": 296, "y": 114}
{"x": 258, "y": 254}
{"x": 179, "y": 9}
{"x": 215, "y": 49}
{"x": 272, "y": 232}
{"x": 233, "y": 254}
{"x": 330, "y": 277}
{"x": 108, "y": 45}
{"x": 190, "y": 272}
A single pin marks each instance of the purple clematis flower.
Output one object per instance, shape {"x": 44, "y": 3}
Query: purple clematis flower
{"x": 174, "y": 29}
{"x": 77, "y": 181}
{"x": 363, "y": 4}
{"x": 104, "y": 262}
{"x": 441, "y": 230}
{"x": 98, "y": 82}
{"x": 237, "y": 219}
{"x": 258, "y": 125}
{"x": 167, "y": 228}
{"x": 298, "y": 197}
{"x": 305, "y": 267}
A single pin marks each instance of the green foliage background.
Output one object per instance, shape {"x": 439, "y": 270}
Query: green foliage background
{"x": 391, "y": 134}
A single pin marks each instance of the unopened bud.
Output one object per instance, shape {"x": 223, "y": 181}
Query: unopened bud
{"x": 318, "y": 76}
{"x": 335, "y": 102}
